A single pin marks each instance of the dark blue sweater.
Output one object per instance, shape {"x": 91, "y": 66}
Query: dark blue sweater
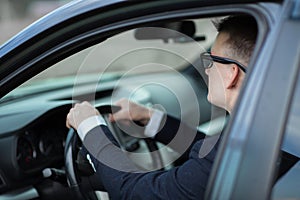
{"x": 123, "y": 180}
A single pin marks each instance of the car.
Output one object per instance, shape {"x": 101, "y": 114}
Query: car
{"x": 149, "y": 51}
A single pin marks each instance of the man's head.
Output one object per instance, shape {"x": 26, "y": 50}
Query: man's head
{"x": 235, "y": 41}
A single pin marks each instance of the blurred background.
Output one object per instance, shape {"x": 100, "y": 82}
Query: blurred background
{"x": 15, "y": 15}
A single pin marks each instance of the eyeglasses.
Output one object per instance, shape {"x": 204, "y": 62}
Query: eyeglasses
{"x": 207, "y": 61}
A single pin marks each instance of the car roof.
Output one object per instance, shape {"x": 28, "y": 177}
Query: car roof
{"x": 77, "y": 8}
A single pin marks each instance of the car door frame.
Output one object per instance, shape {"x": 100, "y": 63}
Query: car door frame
{"x": 17, "y": 72}
{"x": 246, "y": 164}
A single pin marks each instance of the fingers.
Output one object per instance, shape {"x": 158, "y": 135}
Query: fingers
{"x": 69, "y": 119}
{"x": 121, "y": 102}
{"x": 123, "y": 113}
{"x": 68, "y": 125}
{"x": 79, "y": 113}
{"x": 111, "y": 118}
{"x": 130, "y": 111}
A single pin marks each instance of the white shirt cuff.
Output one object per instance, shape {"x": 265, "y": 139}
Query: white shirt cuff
{"x": 88, "y": 124}
{"x": 153, "y": 125}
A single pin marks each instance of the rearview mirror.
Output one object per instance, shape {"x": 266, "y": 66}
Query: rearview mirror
{"x": 179, "y": 32}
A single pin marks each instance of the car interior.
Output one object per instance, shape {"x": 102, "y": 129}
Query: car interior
{"x": 156, "y": 65}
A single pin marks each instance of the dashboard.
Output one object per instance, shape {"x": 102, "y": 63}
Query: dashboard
{"x": 32, "y": 148}
{"x": 42, "y": 144}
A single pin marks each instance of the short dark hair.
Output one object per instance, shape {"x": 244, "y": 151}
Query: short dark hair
{"x": 242, "y": 30}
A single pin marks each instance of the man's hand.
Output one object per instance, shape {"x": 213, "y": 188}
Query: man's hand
{"x": 131, "y": 112}
{"x": 79, "y": 113}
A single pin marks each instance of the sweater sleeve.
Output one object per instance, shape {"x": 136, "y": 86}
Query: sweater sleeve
{"x": 178, "y": 135}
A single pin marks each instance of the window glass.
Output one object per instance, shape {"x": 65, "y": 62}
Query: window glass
{"x": 150, "y": 65}
{"x": 287, "y": 186}
{"x": 126, "y": 53}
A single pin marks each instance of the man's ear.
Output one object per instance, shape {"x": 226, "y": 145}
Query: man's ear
{"x": 233, "y": 75}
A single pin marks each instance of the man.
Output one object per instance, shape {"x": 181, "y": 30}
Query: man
{"x": 225, "y": 67}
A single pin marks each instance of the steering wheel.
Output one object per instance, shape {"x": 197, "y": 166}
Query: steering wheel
{"x": 75, "y": 181}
